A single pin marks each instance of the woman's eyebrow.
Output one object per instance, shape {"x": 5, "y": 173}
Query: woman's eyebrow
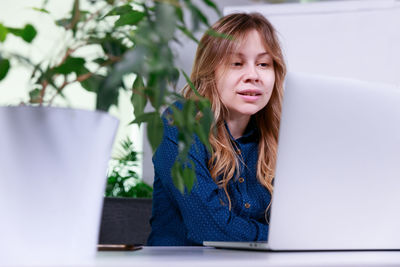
{"x": 242, "y": 55}
{"x": 237, "y": 54}
{"x": 263, "y": 54}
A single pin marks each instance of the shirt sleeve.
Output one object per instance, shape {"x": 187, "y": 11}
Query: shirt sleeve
{"x": 203, "y": 214}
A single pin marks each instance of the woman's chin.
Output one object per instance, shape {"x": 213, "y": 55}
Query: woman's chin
{"x": 251, "y": 110}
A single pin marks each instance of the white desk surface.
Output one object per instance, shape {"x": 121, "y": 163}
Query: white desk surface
{"x": 201, "y": 256}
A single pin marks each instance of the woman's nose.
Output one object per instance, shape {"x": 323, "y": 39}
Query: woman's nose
{"x": 251, "y": 74}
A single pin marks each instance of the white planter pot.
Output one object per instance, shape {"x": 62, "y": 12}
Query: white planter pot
{"x": 53, "y": 165}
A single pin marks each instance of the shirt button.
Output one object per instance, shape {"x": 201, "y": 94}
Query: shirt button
{"x": 241, "y": 180}
{"x": 247, "y": 205}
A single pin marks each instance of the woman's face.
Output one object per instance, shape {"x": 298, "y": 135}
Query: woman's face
{"x": 245, "y": 85}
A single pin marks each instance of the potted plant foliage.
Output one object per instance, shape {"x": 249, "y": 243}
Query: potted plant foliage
{"x": 128, "y": 202}
{"x": 134, "y": 37}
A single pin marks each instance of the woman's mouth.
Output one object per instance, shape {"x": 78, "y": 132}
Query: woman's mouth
{"x": 250, "y": 95}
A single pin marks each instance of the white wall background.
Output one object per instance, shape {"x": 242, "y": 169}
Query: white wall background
{"x": 354, "y": 39}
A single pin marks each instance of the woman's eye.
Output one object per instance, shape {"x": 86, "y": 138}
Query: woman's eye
{"x": 264, "y": 65}
{"x": 236, "y": 64}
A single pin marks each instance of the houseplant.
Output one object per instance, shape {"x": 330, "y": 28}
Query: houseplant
{"x": 128, "y": 203}
{"x": 123, "y": 179}
{"x": 134, "y": 37}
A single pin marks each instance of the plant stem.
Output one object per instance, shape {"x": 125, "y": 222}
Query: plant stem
{"x": 81, "y": 78}
{"x": 44, "y": 85}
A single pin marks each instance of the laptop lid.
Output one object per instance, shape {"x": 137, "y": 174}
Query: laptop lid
{"x": 337, "y": 184}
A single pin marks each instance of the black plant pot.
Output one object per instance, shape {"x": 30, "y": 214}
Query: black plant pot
{"x": 125, "y": 221}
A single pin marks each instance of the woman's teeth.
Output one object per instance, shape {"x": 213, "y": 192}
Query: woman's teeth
{"x": 250, "y": 94}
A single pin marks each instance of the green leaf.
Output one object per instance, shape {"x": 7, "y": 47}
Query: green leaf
{"x": 119, "y": 10}
{"x": 99, "y": 61}
{"x": 213, "y": 6}
{"x": 178, "y": 117}
{"x": 93, "y": 83}
{"x": 132, "y": 61}
{"x": 139, "y": 100}
{"x": 188, "y": 33}
{"x": 42, "y": 10}
{"x": 183, "y": 176}
{"x": 131, "y": 18}
{"x": 45, "y": 3}
{"x": 3, "y": 33}
{"x": 76, "y": 15}
{"x": 214, "y": 33}
{"x": 203, "y": 127}
{"x": 107, "y": 95}
{"x": 179, "y": 14}
{"x": 146, "y": 191}
{"x": 111, "y": 46}
{"x": 63, "y": 22}
{"x": 174, "y": 77}
{"x": 72, "y": 64}
{"x": 197, "y": 16}
{"x": 34, "y": 96}
{"x": 189, "y": 114}
{"x": 190, "y": 83}
{"x": 128, "y": 154}
{"x": 28, "y": 33}
{"x": 140, "y": 190}
{"x": 166, "y": 19}
{"x": 177, "y": 177}
{"x": 4, "y": 67}
{"x": 155, "y": 131}
{"x": 200, "y": 15}
{"x": 203, "y": 136}
{"x": 189, "y": 177}
{"x": 144, "y": 117}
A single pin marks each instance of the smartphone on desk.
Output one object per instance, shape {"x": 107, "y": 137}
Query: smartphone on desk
{"x": 117, "y": 247}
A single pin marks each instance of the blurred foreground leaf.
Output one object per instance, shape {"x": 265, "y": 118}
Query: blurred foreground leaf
{"x": 4, "y": 67}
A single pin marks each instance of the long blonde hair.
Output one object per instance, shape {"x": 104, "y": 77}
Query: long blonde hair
{"x": 214, "y": 49}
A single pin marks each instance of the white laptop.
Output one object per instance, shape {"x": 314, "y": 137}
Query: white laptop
{"x": 337, "y": 184}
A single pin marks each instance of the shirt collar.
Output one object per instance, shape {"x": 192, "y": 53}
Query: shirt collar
{"x": 251, "y": 131}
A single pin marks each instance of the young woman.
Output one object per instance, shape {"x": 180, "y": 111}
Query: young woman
{"x": 243, "y": 77}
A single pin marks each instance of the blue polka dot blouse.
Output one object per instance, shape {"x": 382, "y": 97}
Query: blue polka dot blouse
{"x": 203, "y": 214}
